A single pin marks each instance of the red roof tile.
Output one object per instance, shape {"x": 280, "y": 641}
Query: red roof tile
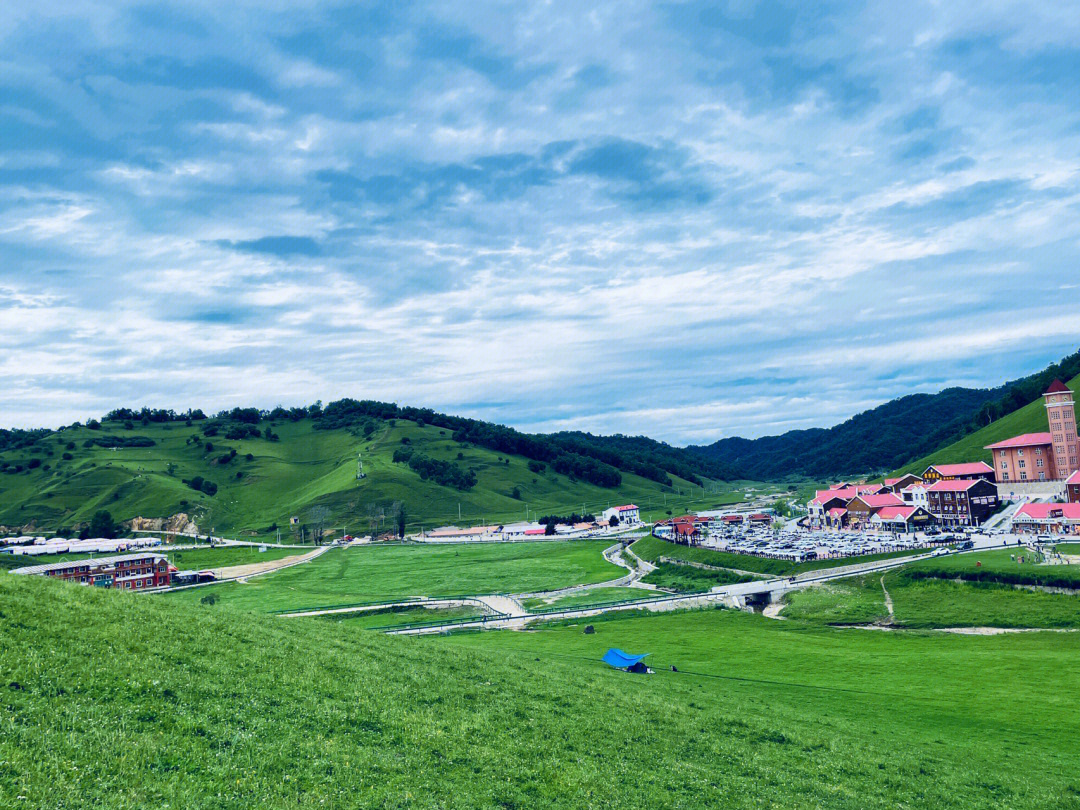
{"x": 879, "y": 501}
{"x": 1024, "y": 440}
{"x": 893, "y": 512}
{"x": 1041, "y": 511}
{"x": 966, "y": 468}
{"x": 1074, "y": 478}
{"x": 1058, "y": 387}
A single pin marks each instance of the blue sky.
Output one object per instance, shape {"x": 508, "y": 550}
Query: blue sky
{"x": 688, "y": 220}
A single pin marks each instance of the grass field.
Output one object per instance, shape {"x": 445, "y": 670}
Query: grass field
{"x": 1029, "y": 419}
{"x": 369, "y": 619}
{"x": 304, "y": 468}
{"x": 186, "y": 559}
{"x": 653, "y": 548}
{"x": 932, "y": 603}
{"x": 999, "y": 566}
{"x": 201, "y": 707}
{"x": 369, "y": 573}
{"x": 590, "y": 597}
{"x": 1067, "y": 548}
{"x": 690, "y": 579}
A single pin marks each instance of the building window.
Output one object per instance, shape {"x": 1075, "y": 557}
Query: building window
{"x": 1023, "y": 476}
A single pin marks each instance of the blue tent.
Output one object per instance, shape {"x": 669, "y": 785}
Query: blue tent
{"x": 617, "y": 658}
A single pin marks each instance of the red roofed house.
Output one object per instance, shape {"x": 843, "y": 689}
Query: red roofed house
{"x": 962, "y": 503}
{"x": 628, "y": 514}
{"x": 1049, "y": 456}
{"x": 862, "y": 508}
{"x": 1056, "y": 518}
{"x": 836, "y": 518}
{"x": 958, "y": 472}
{"x": 687, "y": 531}
{"x": 1072, "y": 487}
{"x": 897, "y": 485}
{"x": 902, "y": 519}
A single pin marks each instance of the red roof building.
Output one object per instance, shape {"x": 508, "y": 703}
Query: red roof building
{"x": 1049, "y": 456}
{"x": 962, "y": 503}
{"x": 1072, "y": 487}
{"x": 1055, "y": 518}
{"x": 968, "y": 470}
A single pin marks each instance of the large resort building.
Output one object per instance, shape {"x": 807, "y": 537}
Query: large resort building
{"x": 1050, "y": 456}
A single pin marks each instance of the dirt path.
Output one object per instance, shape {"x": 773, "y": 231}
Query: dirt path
{"x": 772, "y": 610}
{"x": 888, "y": 600}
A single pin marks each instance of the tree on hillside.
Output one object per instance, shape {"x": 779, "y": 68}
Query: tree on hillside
{"x": 400, "y": 517}
{"x": 101, "y": 525}
{"x": 319, "y": 515}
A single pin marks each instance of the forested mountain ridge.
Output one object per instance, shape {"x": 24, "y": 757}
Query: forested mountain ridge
{"x": 886, "y": 437}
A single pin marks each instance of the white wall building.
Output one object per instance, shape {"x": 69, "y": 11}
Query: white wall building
{"x": 627, "y": 515}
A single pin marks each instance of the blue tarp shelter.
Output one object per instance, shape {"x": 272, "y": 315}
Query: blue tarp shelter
{"x": 621, "y": 660}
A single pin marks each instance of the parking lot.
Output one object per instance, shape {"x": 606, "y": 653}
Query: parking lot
{"x": 799, "y": 545}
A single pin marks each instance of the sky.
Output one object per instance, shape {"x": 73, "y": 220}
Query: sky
{"x": 684, "y": 220}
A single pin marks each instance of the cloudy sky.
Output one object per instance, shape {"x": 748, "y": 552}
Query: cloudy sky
{"x": 688, "y": 220}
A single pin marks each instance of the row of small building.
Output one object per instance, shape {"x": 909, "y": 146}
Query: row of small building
{"x": 124, "y": 572}
{"x": 690, "y": 529}
{"x": 949, "y": 495}
{"x": 617, "y": 516}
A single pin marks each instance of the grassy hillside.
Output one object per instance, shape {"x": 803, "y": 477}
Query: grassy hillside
{"x": 305, "y": 467}
{"x": 1029, "y": 419}
{"x": 114, "y": 700}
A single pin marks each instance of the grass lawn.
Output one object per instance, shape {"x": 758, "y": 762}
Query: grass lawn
{"x": 653, "y": 548}
{"x": 859, "y": 600}
{"x": 896, "y": 719}
{"x": 370, "y": 573}
{"x": 940, "y": 603}
{"x": 1067, "y": 548}
{"x": 399, "y": 615}
{"x": 998, "y": 566}
{"x": 592, "y": 596}
{"x": 202, "y": 707}
{"x": 688, "y": 579}
{"x": 932, "y": 603}
{"x": 187, "y": 559}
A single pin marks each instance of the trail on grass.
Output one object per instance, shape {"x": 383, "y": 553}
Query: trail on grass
{"x": 888, "y": 601}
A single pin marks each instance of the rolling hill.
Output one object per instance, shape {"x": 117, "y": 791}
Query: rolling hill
{"x": 59, "y": 479}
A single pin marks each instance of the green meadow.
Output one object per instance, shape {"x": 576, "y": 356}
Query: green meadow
{"x": 937, "y": 602}
{"x": 592, "y": 596}
{"x": 116, "y": 700}
{"x": 361, "y": 574}
{"x": 223, "y": 556}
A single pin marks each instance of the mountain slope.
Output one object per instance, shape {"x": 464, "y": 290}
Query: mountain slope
{"x": 888, "y": 436}
{"x": 1029, "y": 419}
{"x": 873, "y": 440}
{"x": 55, "y": 479}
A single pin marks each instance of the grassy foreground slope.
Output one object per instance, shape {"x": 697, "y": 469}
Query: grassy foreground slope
{"x": 116, "y": 701}
{"x": 377, "y": 573}
{"x": 1029, "y": 419}
{"x": 305, "y": 467}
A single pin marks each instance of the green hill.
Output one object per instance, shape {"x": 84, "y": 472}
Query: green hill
{"x": 1029, "y": 419}
{"x": 115, "y": 700}
{"x": 59, "y": 479}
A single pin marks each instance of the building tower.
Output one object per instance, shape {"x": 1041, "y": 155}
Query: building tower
{"x": 1061, "y": 414}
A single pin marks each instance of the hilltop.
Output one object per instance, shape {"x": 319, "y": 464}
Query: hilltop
{"x": 252, "y": 471}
